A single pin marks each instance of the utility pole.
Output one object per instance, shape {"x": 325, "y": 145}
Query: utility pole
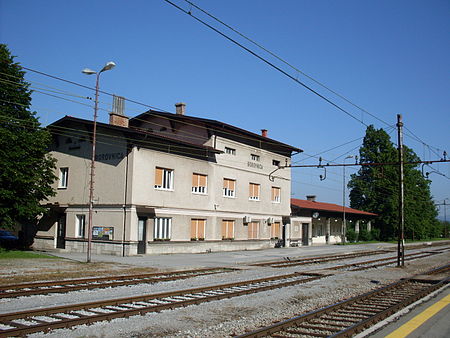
{"x": 445, "y": 216}
{"x": 401, "y": 197}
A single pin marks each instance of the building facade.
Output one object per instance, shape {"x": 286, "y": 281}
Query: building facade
{"x": 165, "y": 183}
{"x": 323, "y": 223}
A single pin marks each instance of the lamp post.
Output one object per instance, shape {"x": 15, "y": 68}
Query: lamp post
{"x": 88, "y": 71}
{"x": 344, "y": 227}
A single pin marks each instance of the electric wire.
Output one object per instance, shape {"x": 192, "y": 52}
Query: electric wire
{"x": 269, "y": 63}
{"x": 268, "y": 141}
{"x": 286, "y": 62}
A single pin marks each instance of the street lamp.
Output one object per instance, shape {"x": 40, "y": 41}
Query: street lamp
{"x": 344, "y": 226}
{"x": 88, "y": 71}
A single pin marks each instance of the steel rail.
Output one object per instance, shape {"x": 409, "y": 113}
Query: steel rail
{"x": 63, "y": 316}
{"x": 386, "y": 261}
{"x": 319, "y": 259}
{"x": 348, "y": 317}
{"x": 63, "y": 286}
{"x": 328, "y": 258}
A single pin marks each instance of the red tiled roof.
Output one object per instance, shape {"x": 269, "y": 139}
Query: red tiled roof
{"x": 312, "y": 205}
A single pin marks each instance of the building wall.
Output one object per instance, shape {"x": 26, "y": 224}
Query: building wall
{"x": 115, "y": 169}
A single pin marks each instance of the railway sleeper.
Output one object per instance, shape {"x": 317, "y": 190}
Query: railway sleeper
{"x": 337, "y": 318}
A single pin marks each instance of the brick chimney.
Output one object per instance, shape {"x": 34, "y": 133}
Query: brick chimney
{"x": 180, "y": 108}
{"x": 264, "y": 132}
{"x": 117, "y": 117}
{"x": 311, "y": 198}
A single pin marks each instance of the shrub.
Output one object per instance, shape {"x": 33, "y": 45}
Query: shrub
{"x": 351, "y": 235}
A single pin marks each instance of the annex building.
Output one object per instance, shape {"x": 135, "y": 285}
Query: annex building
{"x": 314, "y": 222}
{"x": 166, "y": 183}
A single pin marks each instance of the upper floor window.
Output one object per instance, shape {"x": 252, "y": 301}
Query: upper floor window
{"x": 276, "y": 194}
{"x": 164, "y": 178}
{"x": 254, "y": 191}
{"x": 63, "y": 178}
{"x": 199, "y": 183}
{"x": 230, "y": 151}
{"x": 229, "y": 187}
{"x": 276, "y": 163}
{"x": 255, "y": 157}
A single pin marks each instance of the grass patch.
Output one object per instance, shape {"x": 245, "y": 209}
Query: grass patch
{"x": 9, "y": 254}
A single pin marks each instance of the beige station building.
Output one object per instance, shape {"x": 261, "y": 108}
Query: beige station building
{"x": 167, "y": 183}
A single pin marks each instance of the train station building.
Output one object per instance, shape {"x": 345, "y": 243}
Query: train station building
{"x": 165, "y": 183}
{"x": 316, "y": 222}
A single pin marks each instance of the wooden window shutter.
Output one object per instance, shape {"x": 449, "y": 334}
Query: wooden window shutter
{"x": 225, "y": 183}
{"x": 230, "y": 229}
{"x": 195, "y": 180}
{"x": 193, "y": 228}
{"x": 224, "y": 229}
{"x": 201, "y": 223}
{"x": 158, "y": 176}
{"x": 202, "y": 180}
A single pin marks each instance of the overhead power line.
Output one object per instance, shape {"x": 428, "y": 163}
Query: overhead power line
{"x": 285, "y": 62}
{"x": 269, "y": 63}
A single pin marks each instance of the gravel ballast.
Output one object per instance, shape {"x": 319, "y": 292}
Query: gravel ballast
{"x": 229, "y": 316}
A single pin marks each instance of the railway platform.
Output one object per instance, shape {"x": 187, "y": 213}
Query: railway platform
{"x": 428, "y": 319}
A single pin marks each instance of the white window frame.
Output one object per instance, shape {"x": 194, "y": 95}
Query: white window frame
{"x": 63, "y": 178}
{"x": 277, "y": 199}
{"x": 200, "y": 189}
{"x": 80, "y": 226}
{"x": 230, "y": 151}
{"x": 228, "y": 192}
{"x": 162, "y": 228}
{"x": 167, "y": 179}
{"x": 255, "y": 198}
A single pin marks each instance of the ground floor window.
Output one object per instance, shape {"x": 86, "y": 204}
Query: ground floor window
{"x": 80, "y": 225}
{"x": 275, "y": 230}
{"x": 227, "y": 229}
{"x": 162, "y": 228}
{"x": 253, "y": 230}
{"x": 198, "y": 229}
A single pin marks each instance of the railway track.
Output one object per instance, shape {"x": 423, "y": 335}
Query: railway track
{"x": 63, "y": 286}
{"x": 382, "y": 261}
{"x": 354, "y": 315}
{"x": 288, "y": 262}
{"x": 25, "y": 322}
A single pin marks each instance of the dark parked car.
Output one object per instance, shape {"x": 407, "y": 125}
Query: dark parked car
{"x": 8, "y": 240}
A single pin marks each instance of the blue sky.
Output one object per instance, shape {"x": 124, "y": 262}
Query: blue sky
{"x": 388, "y": 57}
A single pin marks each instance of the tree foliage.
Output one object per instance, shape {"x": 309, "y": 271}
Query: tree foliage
{"x": 26, "y": 169}
{"x": 375, "y": 189}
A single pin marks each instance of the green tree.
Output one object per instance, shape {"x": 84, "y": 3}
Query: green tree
{"x": 375, "y": 189}
{"x": 26, "y": 168}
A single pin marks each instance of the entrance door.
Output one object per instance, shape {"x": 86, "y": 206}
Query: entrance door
{"x": 61, "y": 232}
{"x": 142, "y": 235}
{"x": 305, "y": 234}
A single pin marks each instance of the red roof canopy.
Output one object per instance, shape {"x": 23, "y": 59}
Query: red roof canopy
{"x": 313, "y": 205}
